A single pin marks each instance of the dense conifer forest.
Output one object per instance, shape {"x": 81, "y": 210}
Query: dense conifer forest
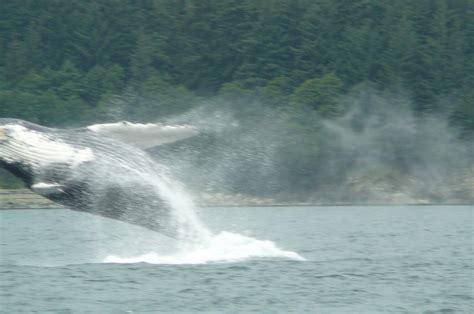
{"x": 310, "y": 66}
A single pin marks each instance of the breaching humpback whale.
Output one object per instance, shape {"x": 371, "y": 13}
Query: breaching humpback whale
{"x": 101, "y": 169}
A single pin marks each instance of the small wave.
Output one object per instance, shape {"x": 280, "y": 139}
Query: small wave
{"x": 223, "y": 247}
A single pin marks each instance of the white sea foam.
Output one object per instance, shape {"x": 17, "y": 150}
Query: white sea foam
{"x": 221, "y": 248}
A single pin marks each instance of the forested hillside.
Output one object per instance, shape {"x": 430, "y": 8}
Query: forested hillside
{"x": 64, "y": 59}
{"x": 68, "y": 63}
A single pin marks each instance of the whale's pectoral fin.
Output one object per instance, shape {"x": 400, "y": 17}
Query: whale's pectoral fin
{"x": 47, "y": 189}
{"x": 144, "y": 135}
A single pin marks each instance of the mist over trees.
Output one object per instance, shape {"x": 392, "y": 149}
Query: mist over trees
{"x": 301, "y": 65}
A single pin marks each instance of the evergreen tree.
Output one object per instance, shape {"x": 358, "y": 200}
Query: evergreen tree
{"x": 321, "y": 94}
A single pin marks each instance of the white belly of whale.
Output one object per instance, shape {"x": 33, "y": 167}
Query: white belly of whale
{"x": 39, "y": 150}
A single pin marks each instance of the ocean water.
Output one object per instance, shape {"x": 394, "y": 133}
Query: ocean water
{"x": 396, "y": 259}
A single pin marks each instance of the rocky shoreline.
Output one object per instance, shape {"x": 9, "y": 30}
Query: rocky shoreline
{"x": 25, "y": 199}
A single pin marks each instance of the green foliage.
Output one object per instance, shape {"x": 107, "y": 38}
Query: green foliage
{"x": 277, "y": 91}
{"x": 320, "y": 94}
{"x": 462, "y": 113}
{"x": 85, "y": 52}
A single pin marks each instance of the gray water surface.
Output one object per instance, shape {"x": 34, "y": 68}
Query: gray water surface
{"x": 398, "y": 259}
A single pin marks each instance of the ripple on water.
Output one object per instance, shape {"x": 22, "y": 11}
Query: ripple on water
{"x": 411, "y": 271}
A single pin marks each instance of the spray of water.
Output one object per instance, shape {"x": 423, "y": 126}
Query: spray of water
{"x": 149, "y": 187}
{"x": 196, "y": 244}
{"x": 378, "y": 149}
{"x": 222, "y": 247}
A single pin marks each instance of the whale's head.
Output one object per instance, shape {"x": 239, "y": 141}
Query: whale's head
{"x": 9, "y": 127}
{"x": 18, "y": 138}
{"x": 14, "y": 132}
{"x": 34, "y": 146}
{"x": 14, "y": 148}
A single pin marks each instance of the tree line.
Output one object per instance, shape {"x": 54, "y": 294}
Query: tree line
{"x": 67, "y": 63}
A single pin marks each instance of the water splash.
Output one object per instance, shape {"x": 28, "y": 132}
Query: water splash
{"x": 196, "y": 244}
{"x": 222, "y": 247}
{"x": 126, "y": 180}
{"x": 190, "y": 229}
